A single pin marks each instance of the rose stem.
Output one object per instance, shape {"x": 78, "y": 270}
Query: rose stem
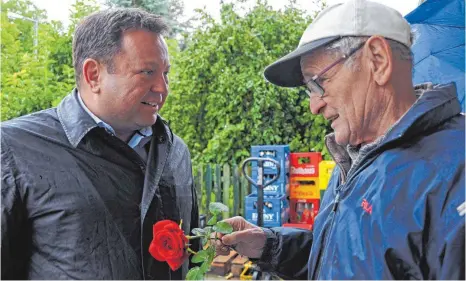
{"x": 192, "y": 252}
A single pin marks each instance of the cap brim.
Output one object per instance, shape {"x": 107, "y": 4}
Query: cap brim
{"x": 286, "y": 72}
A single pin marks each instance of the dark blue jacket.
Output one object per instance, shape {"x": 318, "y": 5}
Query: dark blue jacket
{"x": 79, "y": 203}
{"x": 395, "y": 215}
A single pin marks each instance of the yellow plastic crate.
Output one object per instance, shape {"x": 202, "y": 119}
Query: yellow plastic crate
{"x": 304, "y": 188}
{"x": 325, "y": 171}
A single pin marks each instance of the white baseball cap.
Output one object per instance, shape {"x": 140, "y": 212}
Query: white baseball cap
{"x": 352, "y": 18}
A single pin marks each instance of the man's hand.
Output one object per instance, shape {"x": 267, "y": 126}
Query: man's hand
{"x": 247, "y": 239}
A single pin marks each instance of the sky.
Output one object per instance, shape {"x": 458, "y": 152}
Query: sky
{"x": 59, "y": 9}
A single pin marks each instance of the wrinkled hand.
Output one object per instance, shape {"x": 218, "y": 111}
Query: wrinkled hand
{"x": 247, "y": 239}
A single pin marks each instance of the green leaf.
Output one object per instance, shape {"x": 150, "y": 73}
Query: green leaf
{"x": 195, "y": 273}
{"x": 223, "y": 227}
{"x": 212, "y": 221}
{"x": 217, "y": 208}
{"x": 211, "y": 251}
{"x": 205, "y": 266}
{"x": 201, "y": 256}
{"x": 208, "y": 231}
{"x": 198, "y": 231}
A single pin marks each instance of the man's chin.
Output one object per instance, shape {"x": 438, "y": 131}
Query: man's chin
{"x": 341, "y": 140}
{"x": 147, "y": 122}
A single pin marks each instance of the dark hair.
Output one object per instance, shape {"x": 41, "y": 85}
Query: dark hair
{"x": 98, "y": 36}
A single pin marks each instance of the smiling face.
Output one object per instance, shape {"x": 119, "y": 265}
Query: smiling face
{"x": 345, "y": 102}
{"x": 134, "y": 88}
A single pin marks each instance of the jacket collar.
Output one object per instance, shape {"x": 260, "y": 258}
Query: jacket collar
{"x": 99, "y": 121}
{"x": 435, "y": 105}
{"x": 75, "y": 120}
{"x": 432, "y": 108}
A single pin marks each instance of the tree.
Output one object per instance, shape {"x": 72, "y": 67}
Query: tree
{"x": 170, "y": 10}
{"x": 220, "y": 103}
{"x": 30, "y": 81}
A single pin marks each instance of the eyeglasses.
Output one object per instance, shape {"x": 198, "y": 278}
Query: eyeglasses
{"x": 313, "y": 84}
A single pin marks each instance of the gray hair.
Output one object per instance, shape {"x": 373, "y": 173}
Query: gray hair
{"x": 99, "y": 35}
{"x": 344, "y": 46}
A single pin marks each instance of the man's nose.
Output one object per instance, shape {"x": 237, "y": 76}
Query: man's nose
{"x": 316, "y": 103}
{"x": 160, "y": 85}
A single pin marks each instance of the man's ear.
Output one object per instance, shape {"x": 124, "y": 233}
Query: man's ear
{"x": 380, "y": 59}
{"x": 91, "y": 74}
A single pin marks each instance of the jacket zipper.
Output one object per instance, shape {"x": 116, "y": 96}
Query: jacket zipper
{"x": 325, "y": 240}
{"x": 333, "y": 214}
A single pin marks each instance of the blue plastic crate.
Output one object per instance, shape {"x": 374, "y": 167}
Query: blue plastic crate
{"x": 282, "y": 178}
{"x": 275, "y": 189}
{"x": 278, "y": 188}
{"x": 276, "y": 210}
{"x": 280, "y": 153}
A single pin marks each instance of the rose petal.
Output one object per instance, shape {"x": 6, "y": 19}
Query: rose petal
{"x": 160, "y": 225}
{"x": 175, "y": 244}
{"x": 177, "y": 263}
{"x": 172, "y": 227}
{"x": 177, "y": 239}
{"x": 163, "y": 244}
{"x": 154, "y": 251}
{"x": 169, "y": 245}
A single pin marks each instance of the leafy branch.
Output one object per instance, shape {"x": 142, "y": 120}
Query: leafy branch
{"x": 206, "y": 256}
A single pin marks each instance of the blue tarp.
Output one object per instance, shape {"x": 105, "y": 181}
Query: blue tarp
{"x": 439, "y": 29}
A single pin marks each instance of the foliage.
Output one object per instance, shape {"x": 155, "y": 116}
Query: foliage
{"x": 207, "y": 254}
{"x": 34, "y": 81}
{"x": 220, "y": 103}
{"x": 170, "y": 10}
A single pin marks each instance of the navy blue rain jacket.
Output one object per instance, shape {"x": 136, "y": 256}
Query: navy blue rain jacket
{"x": 395, "y": 215}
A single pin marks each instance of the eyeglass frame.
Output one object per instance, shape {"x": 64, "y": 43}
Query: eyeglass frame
{"x": 314, "y": 86}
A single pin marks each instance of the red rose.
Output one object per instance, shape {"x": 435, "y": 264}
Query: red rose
{"x": 169, "y": 244}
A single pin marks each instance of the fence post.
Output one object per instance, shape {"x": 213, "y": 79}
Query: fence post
{"x": 236, "y": 191}
{"x": 197, "y": 186}
{"x": 217, "y": 186}
{"x": 218, "y": 182}
{"x": 226, "y": 190}
{"x": 208, "y": 183}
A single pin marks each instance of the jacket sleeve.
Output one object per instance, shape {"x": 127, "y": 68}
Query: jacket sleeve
{"x": 286, "y": 252}
{"x": 14, "y": 235}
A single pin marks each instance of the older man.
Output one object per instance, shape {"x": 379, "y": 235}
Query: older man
{"x": 390, "y": 211}
{"x": 83, "y": 183}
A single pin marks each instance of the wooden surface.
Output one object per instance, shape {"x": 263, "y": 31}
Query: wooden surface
{"x": 222, "y": 264}
{"x": 237, "y": 265}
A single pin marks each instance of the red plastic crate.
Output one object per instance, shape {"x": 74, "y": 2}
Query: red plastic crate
{"x": 304, "y": 211}
{"x": 305, "y": 164}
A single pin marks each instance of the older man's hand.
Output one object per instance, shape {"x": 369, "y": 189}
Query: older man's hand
{"x": 247, "y": 239}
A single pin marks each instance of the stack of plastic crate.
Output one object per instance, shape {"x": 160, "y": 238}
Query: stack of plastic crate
{"x": 276, "y": 206}
{"x": 305, "y": 193}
